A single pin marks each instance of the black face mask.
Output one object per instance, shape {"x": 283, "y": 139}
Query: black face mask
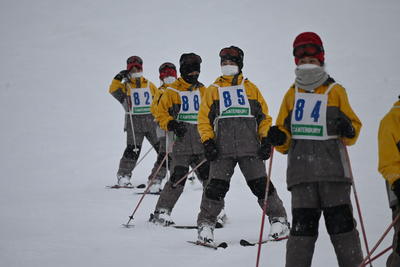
{"x": 192, "y": 79}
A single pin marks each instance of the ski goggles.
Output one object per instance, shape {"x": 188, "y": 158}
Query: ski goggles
{"x": 134, "y": 61}
{"x": 229, "y": 53}
{"x": 307, "y": 50}
{"x": 166, "y": 65}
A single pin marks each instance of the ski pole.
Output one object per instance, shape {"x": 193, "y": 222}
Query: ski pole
{"x": 380, "y": 254}
{"x": 357, "y": 203}
{"x": 363, "y": 263}
{"x": 264, "y": 210}
{"x": 142, "y": 158}
{"x": 187, "y": 174}
{"x": 146, "y": 191}
{"x": 130, "y": 111}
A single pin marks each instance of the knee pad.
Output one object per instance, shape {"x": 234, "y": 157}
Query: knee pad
{"x": 216, "y": 189}
{"x": 339, "y": 219}
{"x": 203, "y": 171}
{"x": 130, "y": 153}
{"x": 179, "y": 172}
{"x": 305, "y": 222}
{"x": 257, "y": 186}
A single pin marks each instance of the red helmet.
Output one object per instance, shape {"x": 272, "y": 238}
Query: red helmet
{"x": 134, "y": 61}
{"x": 308, "y": 44}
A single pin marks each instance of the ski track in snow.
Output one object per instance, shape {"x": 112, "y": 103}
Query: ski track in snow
{"x": 62, "y": 136}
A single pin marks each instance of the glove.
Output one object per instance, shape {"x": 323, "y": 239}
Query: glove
{"x": 344, "y": 128}
{"x": 396, "y": 188}
{"x": 265, "y": 150}
{"x": 123, "y": 74}
{"x": 275, "y": 136}
{"x": 210, "y": 150}
{"x": 178, "y": 128}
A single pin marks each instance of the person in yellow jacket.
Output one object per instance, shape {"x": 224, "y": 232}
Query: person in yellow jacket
{"x": 135, "y": 93}
{"x": 233, "y": 123}
{"x": 168, "y": 75}
{"x": 389, "y": 167}
{"x": 177, "y": 112}
{"x": 314, "y": 124}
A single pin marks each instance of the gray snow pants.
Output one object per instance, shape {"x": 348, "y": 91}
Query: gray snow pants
{"x": 394, "y": 258}
{"x": 309, "y": 200}
{"x": 180, "y": 166}
{"x": 144, "y": 126}
{"x": 221, "y": 171}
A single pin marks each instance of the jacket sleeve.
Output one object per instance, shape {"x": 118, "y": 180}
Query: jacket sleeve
{"x": 153, "y": 89}
{"x": 265, "y": 119}
{"x": 118, "y": 90}
{"x": 154, "y": 103}
{"x": 346, "y": 109}
{"x": 166, "y": 103}
{"x": 283, "y": 117}
{"x": 389, "y": 145}
{"x": 205, "y": 126}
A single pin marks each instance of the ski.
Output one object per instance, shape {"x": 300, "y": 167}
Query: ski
{"x": 148, "y": 193}
{"x": 207, "y": 245}
{"x": 185, "y": 226}
{"x": 125, "y": 186}
{"x": 217, "y": 226}
{"x": 246, "y": 243}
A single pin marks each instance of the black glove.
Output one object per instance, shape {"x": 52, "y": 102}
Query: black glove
{"x": 210, "y": 150}
{"x": 344, "y": 128}
{"x": 275, "y": 136}
{"x": 265, "y": 150}
{"x": 123, "y": 74}
{"x": 396, "y": 188}
{"x": 179, "y": 128}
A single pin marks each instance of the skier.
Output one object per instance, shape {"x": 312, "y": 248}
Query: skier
{"x": 389, "y": 167}
{"x": 314, "y": 124}
{"x": 168, "y": 75}
{"x": 135, "y": 93}
{"x": 177, "y": 111}
{"x": 233, "y": 124}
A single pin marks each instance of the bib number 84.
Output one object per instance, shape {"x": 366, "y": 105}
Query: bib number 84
{"x": 299, "y": 112}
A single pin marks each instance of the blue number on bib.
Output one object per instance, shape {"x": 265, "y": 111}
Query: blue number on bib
{"x": 136, "y": 98}
{"x": 298, "y": 115}
{"x": 196, "y": 102}
{"x": 227, "y": 99}
{"x": 147, "y": 96}
{"x": 185, "y": 103}
{"x": 315, "y": 111}
{"x": 240, "y": 97}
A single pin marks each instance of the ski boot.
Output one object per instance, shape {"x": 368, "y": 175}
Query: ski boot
{"x": 205, "y": 234}
{"x": 279, "y": 228}
{"x": 124, "y": 180}
{"x": 161, "y": 217}
{"x": 155, "y": 188}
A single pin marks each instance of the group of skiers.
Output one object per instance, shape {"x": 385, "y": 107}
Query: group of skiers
{"x": 212, "y": 129}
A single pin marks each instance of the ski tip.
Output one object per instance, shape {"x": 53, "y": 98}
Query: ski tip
{"x": 141, "y": 186}
{"x": 245, "y": 243}
{"x": 223, "y": 245}
{"x": 128, "y": 225}
{"x": 219, "y": 225}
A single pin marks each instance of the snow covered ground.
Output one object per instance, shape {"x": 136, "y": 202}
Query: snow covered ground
{"x": 61, "y": 132}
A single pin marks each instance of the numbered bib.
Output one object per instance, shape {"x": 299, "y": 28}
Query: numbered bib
{"x": 190, "y": 105}
{"x": 309, "y": 116}
{"x": 141, "y": 100}
{"x": 233, "y": 102}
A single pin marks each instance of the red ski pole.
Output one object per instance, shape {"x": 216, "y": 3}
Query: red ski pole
{"x": 187, "y": 174}
{"x": 264, "y": 207}
{"x": 147, "y": 190}
{"x": 357, "y": 204}
{"x": 380, "y": 254}
{"x": 364, "y": 262}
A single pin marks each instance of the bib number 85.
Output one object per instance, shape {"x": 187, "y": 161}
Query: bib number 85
{"x": 228, "y": 100}
{"x": 299, "y": 111}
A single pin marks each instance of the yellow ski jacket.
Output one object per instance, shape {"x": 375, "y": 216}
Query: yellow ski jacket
{"x": 389, "y": 145}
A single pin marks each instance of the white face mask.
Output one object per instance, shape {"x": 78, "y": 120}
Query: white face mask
{"x": 169, "y": 79}
{"x": 229, "y": 70}
{"x": 136, "y": 74}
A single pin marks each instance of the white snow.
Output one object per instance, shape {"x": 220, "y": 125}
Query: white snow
{"x": 61, "y": 132}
